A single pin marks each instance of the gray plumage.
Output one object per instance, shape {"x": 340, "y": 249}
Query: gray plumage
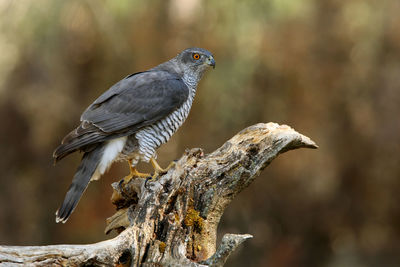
{"x": 85, "y": 171}
{"x": 132, "y": 119}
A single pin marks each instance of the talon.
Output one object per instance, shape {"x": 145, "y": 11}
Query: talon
{"x": 134, "y": 173}
{"x": 145, "y": 182}
{"x": 158, "y": 171}
{"x": 120, "y": 184}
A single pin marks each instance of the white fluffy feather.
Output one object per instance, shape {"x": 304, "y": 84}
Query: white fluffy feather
{"x": 110, "y": 154}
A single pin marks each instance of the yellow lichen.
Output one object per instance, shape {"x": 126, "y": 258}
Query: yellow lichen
{"x": 161, "y": 247}
{"x": 176, "y": 218}
{"x": 193, "y": 219}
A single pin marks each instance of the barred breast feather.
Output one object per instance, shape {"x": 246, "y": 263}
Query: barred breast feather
{"x": 153, "y": 136}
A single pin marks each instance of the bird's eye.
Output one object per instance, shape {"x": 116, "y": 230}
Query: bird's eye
{"x": 196, "y": 56}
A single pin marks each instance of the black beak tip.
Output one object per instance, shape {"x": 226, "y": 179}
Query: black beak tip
{"x": 212, "y": 63}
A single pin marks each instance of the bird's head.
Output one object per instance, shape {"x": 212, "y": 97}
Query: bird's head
{"x": 194, "y": 61}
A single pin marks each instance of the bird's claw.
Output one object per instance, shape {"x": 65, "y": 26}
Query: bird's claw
{"x": 149, "y": 178}
{"x": 154, "y": 177}
{"x": 158, "y": 171}
{"x": 120, "y": 184}
{"x": 134, "y": 174}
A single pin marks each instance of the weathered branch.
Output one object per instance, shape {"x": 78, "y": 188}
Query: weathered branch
{"x": 173, "y": 221}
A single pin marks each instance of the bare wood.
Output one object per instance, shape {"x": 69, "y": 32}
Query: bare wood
{"x": 173, "y": 221}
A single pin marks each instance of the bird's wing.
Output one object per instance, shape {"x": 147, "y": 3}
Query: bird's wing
{"x": 133, "y": 103}
{"x": 137, "y": 102}
{"x": 121, "y": 86}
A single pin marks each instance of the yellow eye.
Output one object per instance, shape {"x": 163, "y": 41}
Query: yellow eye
{"x": 196, "y": 56}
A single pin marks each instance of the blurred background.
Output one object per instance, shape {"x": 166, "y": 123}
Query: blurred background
{"x": 330, "y": 69}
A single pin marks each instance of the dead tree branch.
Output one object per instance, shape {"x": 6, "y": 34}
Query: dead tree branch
{"x": 173, "y": 221}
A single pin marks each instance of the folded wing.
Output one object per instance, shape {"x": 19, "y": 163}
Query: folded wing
{"x": 133, "y": 103}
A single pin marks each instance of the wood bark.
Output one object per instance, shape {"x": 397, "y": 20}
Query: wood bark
{"x": 173, "y": 221}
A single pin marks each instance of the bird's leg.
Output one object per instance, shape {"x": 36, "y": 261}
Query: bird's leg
{"x": 134, "y": 173}
{"x": 158, "y": 170}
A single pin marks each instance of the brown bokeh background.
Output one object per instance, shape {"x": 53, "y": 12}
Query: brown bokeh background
{"x": 330, "y": 69}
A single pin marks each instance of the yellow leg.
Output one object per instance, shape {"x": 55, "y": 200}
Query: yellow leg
{"x": 158, "y": 170}
{"x": 134, "y": 173}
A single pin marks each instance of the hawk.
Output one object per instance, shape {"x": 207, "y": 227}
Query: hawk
{"x": 131, "y": 120}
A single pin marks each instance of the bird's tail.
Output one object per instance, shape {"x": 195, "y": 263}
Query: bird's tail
{"x": 82, "y": 177}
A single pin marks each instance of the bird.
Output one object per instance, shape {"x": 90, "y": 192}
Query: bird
{"x": 130, "y": 120}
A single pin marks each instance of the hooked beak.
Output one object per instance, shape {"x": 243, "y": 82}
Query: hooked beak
{"x": 210, "y": 61}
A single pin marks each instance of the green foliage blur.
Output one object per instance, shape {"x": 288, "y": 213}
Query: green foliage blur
{"x": 328, "y": 68}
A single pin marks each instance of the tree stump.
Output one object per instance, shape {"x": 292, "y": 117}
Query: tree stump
{"x": 173, "y": 221}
